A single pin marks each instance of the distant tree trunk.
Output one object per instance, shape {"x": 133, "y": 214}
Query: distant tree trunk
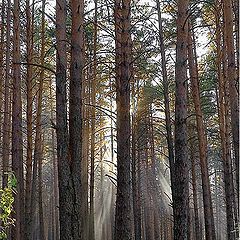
{"x": 29, "y": 45}
{"x": 85, "y": 158}
{"x": 208, "y": 210}
{"x": 135, "y": 180}
{"x": 93, "y": 123}
{"x": 75, "y": 116}
{"x": 193, "y": 150}
{"x": 7, "y": 103}
{"x": 233, "y": 81}
{"x": 40, "y": 194}
{"x": 123, "y": 214}
{"x": 111, "y": 228}
{"x": 17, "y": 139}
{"x": 147, "y": 187}
{"x": 181, "y": 156}
{"x": 55, "y": 199}
{"x": 39, "y": 125}
{"x": 37, "y": 165}
{"x": 136, "y": 209}
{"x": 166, "y": 104}
{"x": 153, "y": 178}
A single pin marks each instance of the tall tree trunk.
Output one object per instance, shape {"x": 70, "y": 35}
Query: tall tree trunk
{"x": 17, "y": 139}
{"x": 37, "y": 162}
{"x": 29, "y": 45}
{"x": 7, "y": 103}
{"x": 75, "y": 115}
{"x": 233, "y": 81}
{"x": 166, "y": 104}
{"x": 207, "y": 201}
{"x": 181, "y": 156}
{"x": 123, "y": 215}
{"x": 85, "y": 158}
{"x": 222, "y": 105}
{"x": 2, "y": 50}
{"x": 64, "y": 181}
{"x": 93, "y": 123}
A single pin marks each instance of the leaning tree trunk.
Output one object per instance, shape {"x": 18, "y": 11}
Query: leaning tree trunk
{"x": 123, "y": 215}
{"x": 181, "y": 152}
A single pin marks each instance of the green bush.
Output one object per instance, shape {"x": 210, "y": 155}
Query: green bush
{"x": 6, "y": 205}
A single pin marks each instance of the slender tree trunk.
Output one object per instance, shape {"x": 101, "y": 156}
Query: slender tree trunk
{"x": 198, "y": 233}
{"x": 93, "y": 121}
{"x": 17, "y": 140}
{"x": 166, "y": 102}
{"x": 123, "y": 215}
{"x": 208, "y": 210}
{"x": 37, "y": 165}
{"x": 55, "y": 200}
{"x": 2, "y": 50}
{"x": 40, "y": 194}
{"x": 147, "y": 198}
{"x": 181, "y": 156}
{"x": 7, "y": 103}
{"x": 29, "y": 43}
{"x": 136, "y": 209}
{"x": 85, "y": 158}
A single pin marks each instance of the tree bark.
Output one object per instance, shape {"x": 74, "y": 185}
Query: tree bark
{"x": 233, "y": 81}
{"x": 123, "y": 214}
{"x": 64, "y": 181}
{"x": 7, "y": 103}
{"x": 181, "y": 152}
{"x": 75, "y": 116}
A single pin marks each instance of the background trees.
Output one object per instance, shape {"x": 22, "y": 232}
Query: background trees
{"x": 91, "y": 95}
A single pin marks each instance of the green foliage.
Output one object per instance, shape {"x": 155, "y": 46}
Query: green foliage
{"x": 6, "y": 205}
